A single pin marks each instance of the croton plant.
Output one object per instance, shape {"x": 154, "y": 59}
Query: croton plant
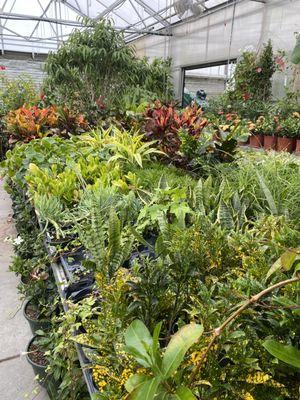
{"x": 27, "y": 123}
{"x": 163, "y": 123}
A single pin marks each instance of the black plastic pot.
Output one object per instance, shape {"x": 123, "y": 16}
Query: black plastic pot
{"x": 25, "y": 280}
{"x": 72, "y": 262}
{"x": 35, "y": 324}
{"x": 80, "y": 289}
{"x": 39, "y": 370}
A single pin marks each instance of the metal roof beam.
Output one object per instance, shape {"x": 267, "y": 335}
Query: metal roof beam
{"x": 137, "y": 12}
{"x": 43, "y": 15}
{"x": 10, "y": 10}
{"x": 110, "y": 8}
{"x": 114, "y": 12}
{"x": 25, "y": 17}
{"x": 73, "y": 8}
{"x": 153, "y": 13}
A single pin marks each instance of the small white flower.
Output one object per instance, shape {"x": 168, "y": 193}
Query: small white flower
{"x": 18, "y": 240}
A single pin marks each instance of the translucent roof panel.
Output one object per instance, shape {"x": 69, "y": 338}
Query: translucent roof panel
{"x": 41, "y": 25}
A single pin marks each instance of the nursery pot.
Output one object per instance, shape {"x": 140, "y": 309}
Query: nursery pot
{"x": 25, "y": 279}
{"x": 35, "y": 323}
{"x": 38, "y": 369}
{"x": 297, "y": 150}
{"x": 243, "y": 143}
{"x": 286, "y": 144}
{"x": 256, "y": 141}
{"x": 270, "y": 142}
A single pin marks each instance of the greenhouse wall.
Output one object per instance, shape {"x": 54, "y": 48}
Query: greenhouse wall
{"x": 202, "y": 40}
{"x": 16, "y": 64}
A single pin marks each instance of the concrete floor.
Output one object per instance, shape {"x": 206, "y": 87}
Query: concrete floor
{"x": 16, "y": 375}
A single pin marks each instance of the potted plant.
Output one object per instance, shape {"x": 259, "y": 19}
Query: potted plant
{"x": 297, "y": 149}
{"x": 36, "y": 315}
{"x": 297, "y": 133}
{"x": 256, "y": 131}
{"x": 268, "y": 127}
{"x": 288, "y": 131}
{"x": 35, "y": 354}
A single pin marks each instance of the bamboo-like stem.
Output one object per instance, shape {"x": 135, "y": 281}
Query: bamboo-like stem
{"x": 217, "y": 331}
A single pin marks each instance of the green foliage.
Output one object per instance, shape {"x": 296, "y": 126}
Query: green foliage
{"x": 286, "y": 353}
{"x": 165, "y": 245}
{"x": 290, "y": 127}
{"x": 15, "y": 93}
{"x": 95, "y": 68}
{"x": 145, "y": 349}
{"x": 296, "y": 51}
{"x": 129, "y": 148}
{"x": 107, "y": 241}
{"x": 252, "y": 76}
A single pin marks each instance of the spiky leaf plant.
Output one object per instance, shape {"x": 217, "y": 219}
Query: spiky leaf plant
{"x": 108, "y": 241}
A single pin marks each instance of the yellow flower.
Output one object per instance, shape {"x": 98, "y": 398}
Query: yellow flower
{"x": 258, "y": 378}
{"x": 126, "y": 374}
{"x": 101, "y": 384}
{"x": 248, "y": 396}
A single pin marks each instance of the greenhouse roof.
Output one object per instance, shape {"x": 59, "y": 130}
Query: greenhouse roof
{"x": 41, "y": 25}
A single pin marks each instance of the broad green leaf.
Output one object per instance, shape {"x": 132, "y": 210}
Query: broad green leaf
{"x": 275, "y": 267}
{"x": 156, "y": 333}
{"x": 268, "y": 194}
{"x": 183, "y": 393}
{"x": 135, "y": 381}
{"x": 286, "y": 353}
{"x": 224, "y": 216}
{"x": 138, "y": 337}
{"x": 146, "y": 391}
{"x": 144, "y": 360}
{"x": 178, "y": 346}
{"x": 288, "y": 258}
{"x": 286, "y": 261}
{"x": 297, "y": 268}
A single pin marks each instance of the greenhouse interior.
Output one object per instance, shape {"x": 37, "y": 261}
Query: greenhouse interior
{"x": 150, "y": 199}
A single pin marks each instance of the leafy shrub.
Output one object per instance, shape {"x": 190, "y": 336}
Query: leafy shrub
{"x": 94, "y": 69}
{"x": 290, "y": 126}
{"x": 15, "y": 93}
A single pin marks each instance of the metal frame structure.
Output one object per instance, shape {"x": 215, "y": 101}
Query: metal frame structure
{"x": 39, "y": 26}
